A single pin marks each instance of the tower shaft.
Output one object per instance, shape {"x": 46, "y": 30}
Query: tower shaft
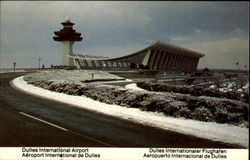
{"x": 67, "y": 52}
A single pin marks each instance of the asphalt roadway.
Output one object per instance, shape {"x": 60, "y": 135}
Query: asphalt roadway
{"x": 27, "y": 120}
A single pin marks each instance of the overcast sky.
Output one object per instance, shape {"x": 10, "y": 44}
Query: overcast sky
{"x": 220, "y": 30}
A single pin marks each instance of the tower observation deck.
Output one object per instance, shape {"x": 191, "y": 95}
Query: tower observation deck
{"x": 67, "y": 36}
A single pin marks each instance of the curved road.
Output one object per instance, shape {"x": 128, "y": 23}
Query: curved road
{"x": 27, "y": 120}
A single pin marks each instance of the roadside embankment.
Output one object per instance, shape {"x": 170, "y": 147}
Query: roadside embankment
{"x": 201, "y": 108}
{"x": 193, "y": 115}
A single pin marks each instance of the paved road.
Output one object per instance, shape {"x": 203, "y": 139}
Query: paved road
{"x": 27, "y": 120}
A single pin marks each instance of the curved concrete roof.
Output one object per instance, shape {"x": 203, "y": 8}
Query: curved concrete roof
{"x": 162, "y": 45}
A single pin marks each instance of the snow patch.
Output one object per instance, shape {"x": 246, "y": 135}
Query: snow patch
{"x": 229, "y": 86}
{"x": 134, "y": 87}
{"x": 246, "y": 86}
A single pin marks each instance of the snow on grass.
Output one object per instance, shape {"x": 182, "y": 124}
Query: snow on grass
{"x": 70, "y": 75}
{"x": 228, "y": 86}
{"x": 209, "y": 130}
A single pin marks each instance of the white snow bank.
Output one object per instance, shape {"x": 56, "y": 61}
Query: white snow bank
{"x": 246, "y": 86}
{"x": 209, "y": 130}
{"x": 212, "y": 86}
{"x": 134, "y": 86}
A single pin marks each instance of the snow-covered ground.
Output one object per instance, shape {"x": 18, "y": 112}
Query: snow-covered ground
{"x": 70, "y": 75}
{"x": 12, "y": 71}
{"x": 209, "y": 130}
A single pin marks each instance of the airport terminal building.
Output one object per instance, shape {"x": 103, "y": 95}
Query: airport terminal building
{"x": 158, "y": 56}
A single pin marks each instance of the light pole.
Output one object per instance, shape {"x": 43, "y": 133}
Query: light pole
{"x": 238, "y": 64}
{"x": 39, "y": 59}
{"x": 14, "y": 65}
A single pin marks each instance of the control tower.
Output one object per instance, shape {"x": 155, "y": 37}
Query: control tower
{"x": 67, "y": 36}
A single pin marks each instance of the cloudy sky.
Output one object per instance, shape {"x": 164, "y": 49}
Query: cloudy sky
{"x": 220, "y": 30}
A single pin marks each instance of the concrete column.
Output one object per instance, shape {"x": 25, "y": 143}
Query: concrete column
{"x": 122, "y": 63}
{"x": 158, "y": 56}
{"x": 185, "y": 64}
{"x": 119, "y": 64}
{"x": 104, "y": 64}
{"x": 164, "y": 66}
{"x": 146, "y": 59}
{"x": 77, "y": 63}
{"x": 180, "y": 63}
{"x": 176, "y": 62}
{"x": 177, "y": 66}
{"x": 189, "y": 64}
{"x": 169, "y": 60}
{"x": 173, "y": 61}
{"x": 155, "y": 58}
{"x": 192, "y": 64}
{"x": 152, "y": 58}
{"x": 196, "y": 63}
{"x": 161, "y": 67}
{"x": 67, "y": 51}
{"x": 93, "y": 63}
{"x": 85, "y": 63}
{"x": 160, "y": 60}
